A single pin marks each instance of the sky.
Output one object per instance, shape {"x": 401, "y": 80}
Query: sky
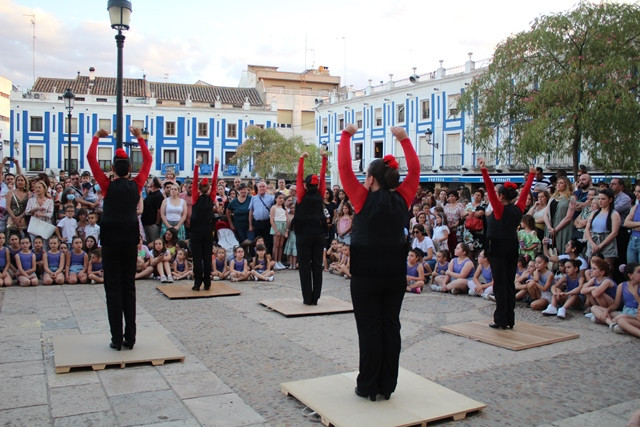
{"x": 214, "y": 41}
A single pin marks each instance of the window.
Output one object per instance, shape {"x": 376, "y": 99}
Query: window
{"x": 136, "y": 160}
{"x": 138, "y": 124}
{"x": 170, "y": 128}
{"x": 452, "y": 105}
{"x": 227, "y": 156}
{"x": 74, "y": 125}
{"x": 378, "y": 149}
{"x": 424, "y": 149}
{"x": 325, "y": 127}
{"x": 232, "y": 130}
{"x": 105, "y": 124}
{"x": 340, "y": 122}
{"x": 308, "y": 120}
{"x": 285, "y": 118}
{"x": 104, "y": 158}
{"x": 400, "y": 113}
{"x": 378, "y": 114}
{"x": 204, "y": 155}
{"x": 36, "y": 124}
{"x": 453, "y": 145}
{"x": 359, "y": 119}
{"x": 36, "y": 158}
{"x": 426, "y": 112}
{"x": 203, "y": 129}
{"x": 74, "y": 157}
{"x": 170, "y": 156}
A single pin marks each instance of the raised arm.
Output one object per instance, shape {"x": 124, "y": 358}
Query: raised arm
{"x": 300, "y": 178}
{"x": 92, "y": 159}
{"x": 522, "y": 201}
{"x": 147, "y": 160}
{"x": 410, "y": 184}
{"x": 323, "y": 172}
{"x": 498, "y": 208}
{"x": 214, "y": 181}
{"x": 357, "y": 192}
{"x": 194, "y": 185}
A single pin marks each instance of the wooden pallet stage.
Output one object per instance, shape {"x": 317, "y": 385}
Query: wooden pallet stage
{"x": 183, "y": 290}
{"x": 294, "y": 307}
{"x": 523, "y": 336}
{"x": 416, "y": 401}
{"x": 92, "y": 350}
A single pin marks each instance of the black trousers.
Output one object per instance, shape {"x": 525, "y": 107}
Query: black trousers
{"x": 263, "y": 229}
{"x": 201, "y": 250}
{"x": 376, "y": 306}
{"x": 119, "y": 263}
{"x": 504, "y": 262}
{"x": 310, "y": 249}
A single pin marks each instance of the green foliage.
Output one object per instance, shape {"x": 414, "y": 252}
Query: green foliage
{"x": 272, "y": 154}
{"x": 568, "y": 85}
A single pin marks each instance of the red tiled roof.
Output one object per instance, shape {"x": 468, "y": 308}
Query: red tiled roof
{"x": 106, "y": 86}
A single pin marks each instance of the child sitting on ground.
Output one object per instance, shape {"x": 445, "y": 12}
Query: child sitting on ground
{"x": 26, "y": 263}
{"x": 528, "y": 236}
{"x": 522, "y": 279}
{"x": 220, "y": 270}
{"x": 238, "y": 266}
{"x": 415, "y": 271}
{"x": 482, "y": 283}
{"x": 627, "y": 294}
{"x": 600, "y": 290}
{"x": 5, "y": 263}
{"x": 442, "y": 264}
{"x": 143, "y": 261}
{"x": 344, "y": 267}
{"x": 96, "y": 274}
{"x": 331, "y": 255}
{"x": 539, "y": 288}
{"x": 77, "y": 263}
{"x": 181, "y": 268}
{"x": 53, "y": 263}
{"x": 38, "y": 250}
{"x": 566, "y": 290}
{"x": 161, "y": 261}
{"x": 261, "y": 267}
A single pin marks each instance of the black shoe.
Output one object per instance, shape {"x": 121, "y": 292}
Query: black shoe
{"x": 128, "y": 344}
{"x": 372, "y": 397}
{"x": 496, "y": 326}
{"x": 114, "y": 346}
{"x": 207, "y": 287}
{"x": 195, "y": 288}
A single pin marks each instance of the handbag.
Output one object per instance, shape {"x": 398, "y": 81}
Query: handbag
{"x": 473, "y": 223}
{"x": 38, "y": 227}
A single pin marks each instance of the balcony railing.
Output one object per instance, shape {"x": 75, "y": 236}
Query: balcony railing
{"x": 451, "y": 161}
{"x": 425, "y": 163}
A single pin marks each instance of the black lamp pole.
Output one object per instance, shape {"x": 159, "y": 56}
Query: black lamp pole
{"x": 120, "y": 13}
{"x": 68, "y": 97}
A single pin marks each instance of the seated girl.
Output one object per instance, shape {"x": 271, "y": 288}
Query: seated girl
{"x": 220, "y": 267}
{"x": 161, "y": 261}
{"x": 5, "y": 263}
{"x": 522, "y": 279}
{"x": 600, "y": 290}
{"x": 566, "y": 290}
{"x": 238, "y": 266}
{"x": 344, "y": 267}
{"x": 458, "y": 274}
{"x": 539, "y": 288}
{"x": 26, "y": 264}
{"x": 181, "y": 268}
{"x": 482, "y": 283}
{"x": 261, "y": 267}
{"x": 143, "y": 261}
{"x": 442, "y": 264}
{"x": 332, "y": 254}
{"x": 96, "y": 273}
{"x": 77, "y": 263}
{"x": 627, "y": 294}
{"x": 38, "y": 250}
{"x": 53, "y": 263}
{"x": 415, "y": 271}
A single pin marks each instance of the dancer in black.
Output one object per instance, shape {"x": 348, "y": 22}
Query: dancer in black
{"x": 310, "y": 225}
{"x": 377, "y": 289}
{"x": 204, "y": 200}
{"x": 119, "y": 235}
{"x": 502, "y": 243}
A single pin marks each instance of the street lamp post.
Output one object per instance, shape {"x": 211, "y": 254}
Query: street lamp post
{"x": 120, "y": 14}
{"x": 68, "y": 104}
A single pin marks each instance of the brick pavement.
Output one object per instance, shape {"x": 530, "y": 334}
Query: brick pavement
{"x": 238, "y": 352}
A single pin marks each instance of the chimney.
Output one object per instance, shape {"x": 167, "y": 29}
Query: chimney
{"x": 92, "y": 74}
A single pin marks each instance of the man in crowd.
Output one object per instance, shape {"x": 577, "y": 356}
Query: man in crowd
{"x": 259, "y": 211}
{"x": 151, "y": 212}
{"x": 622, "y": 204}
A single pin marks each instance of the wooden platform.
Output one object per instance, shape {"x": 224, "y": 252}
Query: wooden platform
{"x": 92, "y": 350}
{"x": 183, "y": 290}
{"x": 416, "y": 401}
{"x": 523, "y": 336}
{"x": 294, "y": 307}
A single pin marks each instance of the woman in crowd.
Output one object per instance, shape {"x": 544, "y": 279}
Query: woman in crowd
{"x": 632, "y": 222}
{"x": 559, "y": 215}
{"x": 602, "y": 228}
{"x": 16, "y": 206}
{"x": 538, "y": 212}
{"x": 310, "y": 226}
{"x": 454, "y": 210}
{"x": 378, "y": 288}
{"x": 502, "y": 243}
{"x": 238, "y": 214}
{"x": 173, "y": 212}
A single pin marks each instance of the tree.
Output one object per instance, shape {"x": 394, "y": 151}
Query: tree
{"x": 568, "y": 85}
{"x": 272, "y": 153}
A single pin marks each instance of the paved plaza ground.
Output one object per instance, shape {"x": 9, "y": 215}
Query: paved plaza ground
{"x": 238, "y": 352}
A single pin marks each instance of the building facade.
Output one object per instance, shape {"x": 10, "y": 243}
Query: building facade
{"x": 293, "y": 95}
{"x": 183, "y": 121}
{"x": 5, "y": 112}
